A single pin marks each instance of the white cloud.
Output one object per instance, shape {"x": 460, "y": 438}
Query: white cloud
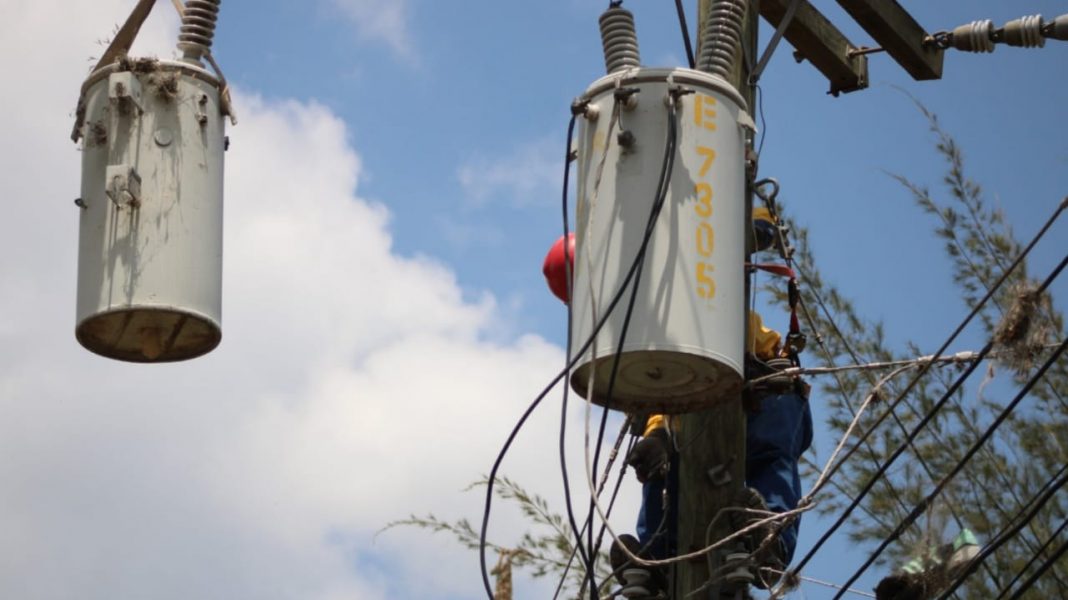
{"x": 382, "y": 21}
{"x": 353, "y": 385}
{"x": 529, "y": 174}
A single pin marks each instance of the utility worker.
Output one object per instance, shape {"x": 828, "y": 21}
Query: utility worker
{"x": 778, "y": 432}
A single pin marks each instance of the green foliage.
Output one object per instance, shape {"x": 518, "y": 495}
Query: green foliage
{"x": 546, "y": 552}
{"x": 1024, "y": 453}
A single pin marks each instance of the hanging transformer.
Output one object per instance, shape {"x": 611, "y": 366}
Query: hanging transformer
{"x": 150, "y": 232}
{"x": 683, "y": 348}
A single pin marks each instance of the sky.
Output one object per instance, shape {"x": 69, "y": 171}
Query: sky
{"x": 391, "y": 188}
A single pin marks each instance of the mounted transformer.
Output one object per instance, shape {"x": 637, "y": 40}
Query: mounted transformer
{"x": 150, "y": 235}
{"x": 683, "y": 346}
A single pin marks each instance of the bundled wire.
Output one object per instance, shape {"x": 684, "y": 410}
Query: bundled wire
{"x": 923, "y": 371}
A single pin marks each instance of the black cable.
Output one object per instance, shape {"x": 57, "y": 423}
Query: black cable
{"x": 1049, "y": 562}
{"x": 563, "y": 406}
{"x": 919, "y": 509}
{"x": 685, "y": 33}
{"x": 538, "y": 399}
{"x": 1037, "y": 555}
{"x": 667, "y": 166}
{"x": 1037, "y": 503}
{"x": 611, "y": 504}
{"x": 912, "y": 383}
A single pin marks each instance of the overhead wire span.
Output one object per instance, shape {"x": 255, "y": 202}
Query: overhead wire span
{"x": 1037, "y": 555}
{"x": 1040, "y": 500}
{"x": 922, "y": 507}
{"x": 1045, "y": 566}
{"x": 959, "y": 357}
{"x": 912, "y": 383}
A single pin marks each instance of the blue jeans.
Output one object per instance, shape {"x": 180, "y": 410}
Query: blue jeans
{"x": 776, "y": 437}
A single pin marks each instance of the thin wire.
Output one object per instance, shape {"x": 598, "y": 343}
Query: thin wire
{"x": 920, "y": 508}
{"x": 1049, "y": 562}
{"x": 1038, "y": 502}
{"x": 1037, "y": 555}
{"x": 823, "y": 583}
{"x": 923, "y": 371}
{"x": 685, "y": 33}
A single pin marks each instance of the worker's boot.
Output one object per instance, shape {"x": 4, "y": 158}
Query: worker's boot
{"x": 638, "y": 582}
{"x": 765, "y": 548}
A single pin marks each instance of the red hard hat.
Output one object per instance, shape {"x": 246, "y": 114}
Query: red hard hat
{"x": 555, "y": 273}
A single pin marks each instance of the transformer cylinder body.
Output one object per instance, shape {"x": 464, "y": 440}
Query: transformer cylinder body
{"x": 683, "y": 349}
{"x": 150, "y": 235}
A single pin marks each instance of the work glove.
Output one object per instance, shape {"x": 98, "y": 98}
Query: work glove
{"x": 651, "y": 456}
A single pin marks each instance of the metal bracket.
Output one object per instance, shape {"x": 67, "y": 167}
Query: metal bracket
{"x": 124, "y": 89}
{"x": 123, "y": 186}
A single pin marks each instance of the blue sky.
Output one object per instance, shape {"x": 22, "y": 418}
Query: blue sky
{"x": 392, "y": 188}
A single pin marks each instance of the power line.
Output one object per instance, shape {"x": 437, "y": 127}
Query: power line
{"x": 1037, "y": 555}
{"x": 1049, "y": 562}
{"x": 923, "y": 371}
{"x": 1037, "y": 503}
{"x": 926, "y": 502}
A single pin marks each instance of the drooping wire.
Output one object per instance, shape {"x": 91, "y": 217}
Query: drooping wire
{"x": 600, "y": 323}
{"x": 685, "y": 33}
{"x": 572, "y": 522}
{"x": 1037, "y": 555}
{"x": 1044, "y": 495}
{"x": 667, "y": 166}
{"x": 972, "y": 451}
{"x": 912, "y": 383}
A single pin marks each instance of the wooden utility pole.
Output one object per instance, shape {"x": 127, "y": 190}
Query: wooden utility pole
{"x": 712, "y": 443}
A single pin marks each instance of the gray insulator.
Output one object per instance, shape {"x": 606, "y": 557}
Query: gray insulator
{"x": 620, "y": 39}
{"x": 198, "y": 27}
{"x": 1057, "y": 29}
{"x": 976, "y": 36}
{"x": 1025, "y": 32}
{"x": 721, "y": 37}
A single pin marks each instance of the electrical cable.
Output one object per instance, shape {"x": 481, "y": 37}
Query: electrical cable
{"x": 600, "y": 323}
{"x": 1037, "y": 503}
{"x": 1037, "y": 555}
{"x": 530, "y": 409}
{"x": 926, "y": 502}
{"x": 611, "y": 502}
{"x": 1049, "y": 562}
{"x": 667, "y": 166}
{"x": 685, "y": 33}
{"x": 573, "y": 523}
{"x": 923, "y": 371}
